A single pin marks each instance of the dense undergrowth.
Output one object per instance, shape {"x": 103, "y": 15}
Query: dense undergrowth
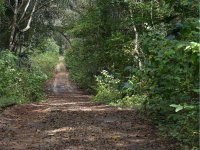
{"x": 130, "y": 58}
{"x": 22, "y": 81}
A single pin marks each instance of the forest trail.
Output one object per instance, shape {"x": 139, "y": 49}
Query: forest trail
{"x": 70, "y": 121}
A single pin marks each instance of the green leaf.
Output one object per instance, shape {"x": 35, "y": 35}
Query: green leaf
{"x": 177, "y": 107}
{"x": 196, "y": 91}
{"x": 128, "y": 68}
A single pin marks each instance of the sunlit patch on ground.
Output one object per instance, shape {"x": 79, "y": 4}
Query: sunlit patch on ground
{"x": 70, "y": 121}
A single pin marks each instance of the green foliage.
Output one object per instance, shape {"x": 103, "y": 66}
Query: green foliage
{"x": 79, "y": 64}
{"x": 107, "y": 88}
{"x": 2, "y": 6}
{"x": 171, "y": 75}
{"x": 46, "y": 45}
{"x": 158, "y": 72}
{"x": 9, "y": 77}
{"x": 133, "y": 101}
{"x": 112, "y": 91}
{"x": 22, "y": 85}
{"x": 46, "y": 62}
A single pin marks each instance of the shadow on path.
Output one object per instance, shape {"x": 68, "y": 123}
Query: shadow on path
{"x": 70, "y": 121}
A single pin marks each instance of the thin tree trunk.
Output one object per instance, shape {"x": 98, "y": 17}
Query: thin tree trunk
{"x": 30, "y": 18}
{"x": 68, "y": 40}
{"x": 135, "y": 51}
{"x": 152, "y": 13}
{"x": 25, "y": 9}
{"x": 13, "y": 28}
{"x": 136, "y": 40}
{"x": 136, "y": 43}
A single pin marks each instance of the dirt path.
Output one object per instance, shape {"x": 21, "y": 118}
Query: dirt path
{"x": 70, "y": 121}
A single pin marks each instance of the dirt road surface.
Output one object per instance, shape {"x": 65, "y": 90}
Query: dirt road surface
{"x": 70, "y": 121}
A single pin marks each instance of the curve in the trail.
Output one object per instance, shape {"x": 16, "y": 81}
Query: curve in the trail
{"x": 70, "y": 121}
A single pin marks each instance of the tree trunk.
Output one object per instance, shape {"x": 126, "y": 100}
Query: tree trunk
{"x": 13, "y": 27}
{"x": 135, "y": 51}
{"x": 30, "y": 18}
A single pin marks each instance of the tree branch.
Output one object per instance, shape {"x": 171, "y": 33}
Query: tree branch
{"x": 22, "y": 3}
{"x": 25, "y": 9}
{"x": 36, "y": 10}
{"x": 30, "y": 19}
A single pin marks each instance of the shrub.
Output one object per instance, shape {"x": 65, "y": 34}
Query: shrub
{"x": 45, "y": 62}
{"x": 107, "y": 88}
{"x": 81, "y": 70}
{"x": 22, "y": 85}
{"x": 171, "y": 76}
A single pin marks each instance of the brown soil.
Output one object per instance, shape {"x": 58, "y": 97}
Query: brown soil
{"x": 70, "y": 121}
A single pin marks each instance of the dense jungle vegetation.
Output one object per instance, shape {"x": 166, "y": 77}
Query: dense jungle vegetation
{"x": 142, "y": 54}
{"x": 28, "y": 53}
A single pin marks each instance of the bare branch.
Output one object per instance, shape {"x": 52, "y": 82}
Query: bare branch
{"x": 25, "y": 9}
{"x": 36, "y": 10}
{"x": 31, "y": 17}
{"x": 22, "y": 3}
